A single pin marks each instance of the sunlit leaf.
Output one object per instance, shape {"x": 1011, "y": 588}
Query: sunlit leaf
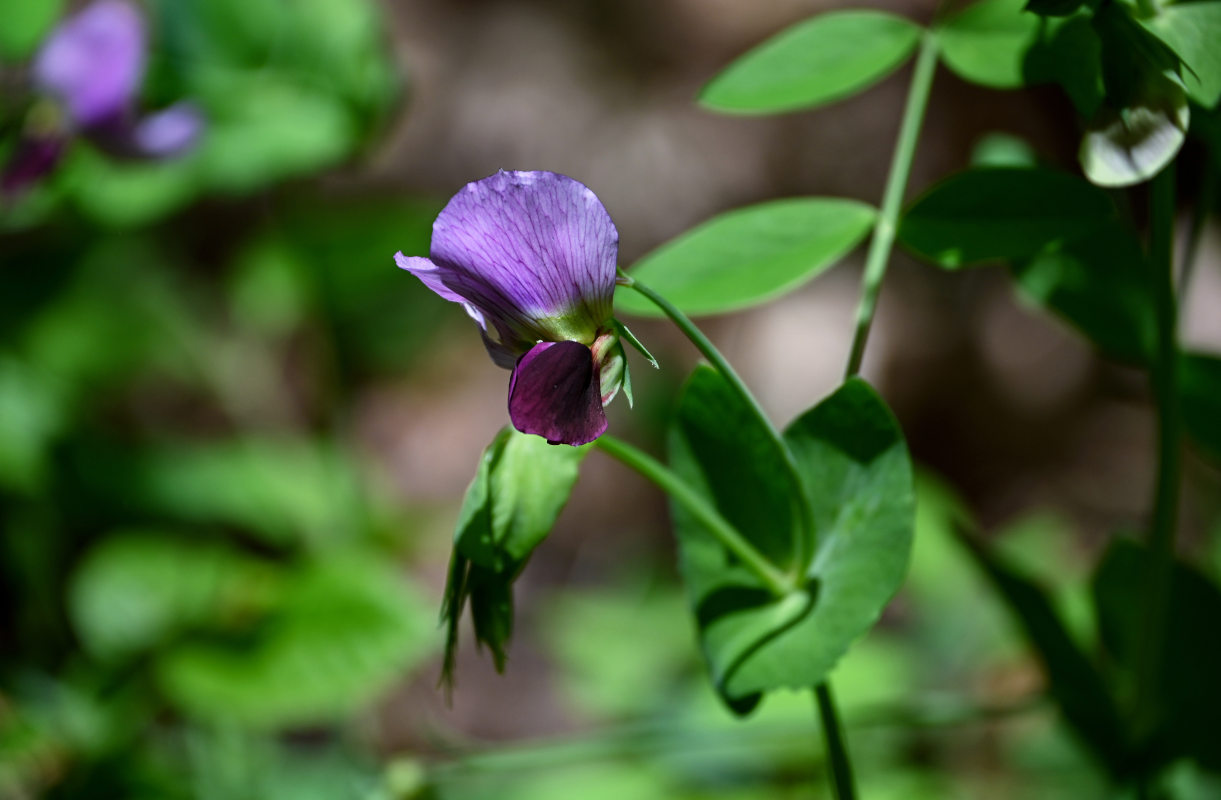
{"x": 986, "y": 43}
{"x": 1200, "y": 396}
{"x": 857, "y": 480}
{"x": 749, "y": 256}
{"x": 344, "y": 631}
{"x": 1099, "y": 284}
{"x": 1002, "y": 213}
{"x": 814, "y": 62}
{"x": 1193, "y": 31}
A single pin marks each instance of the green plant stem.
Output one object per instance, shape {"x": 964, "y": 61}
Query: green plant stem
{"x": 884, "y": 231}
{"x": 709, "y": 517}
{"x": 805, "y": 540}
{"x": 1166, "y": 496}
{"x": 837, "y": 752}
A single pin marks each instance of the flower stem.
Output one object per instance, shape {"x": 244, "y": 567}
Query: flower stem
{"x": 725, "y": 533}
{"x": 804, "y": 545}
{"x": 892, "y": 200}
{"x": 1166, "y": 496}
{"x": 837, "y": 752}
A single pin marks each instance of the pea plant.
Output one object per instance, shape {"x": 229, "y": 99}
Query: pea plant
{"x": 793, "y": 539}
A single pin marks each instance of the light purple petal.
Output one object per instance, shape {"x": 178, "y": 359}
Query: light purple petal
{"x": 536, "y": 250}
{"x": 31, "y": 159}
{"x": 93, "y": 61}
{"x": 169, "y": 132}
{"x": 555, "y": 393}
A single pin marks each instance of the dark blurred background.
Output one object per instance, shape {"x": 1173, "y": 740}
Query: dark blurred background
{"x": 234, "y": 437}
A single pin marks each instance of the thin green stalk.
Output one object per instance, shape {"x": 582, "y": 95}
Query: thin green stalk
{"x": 725, "y": 533}
{"x": 1166, "y": 496}
{"x": 837, "y": 751}
{"x": 804, "y": 549}
{"x": 892, "y": 200}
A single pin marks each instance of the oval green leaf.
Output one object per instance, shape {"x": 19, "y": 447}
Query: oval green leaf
{"x": 987, "y": 42}
{"x": 1002, "y": 213}
{"x": 750, "y": 255}
{"x": 814, "y": 62}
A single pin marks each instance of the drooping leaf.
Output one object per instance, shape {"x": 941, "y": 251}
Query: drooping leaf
{"x": 344, "y": 631}
{"x": 1200, "y": 398}
{"x": 1189, "y": 696}
{"x": 1193, "y": 30}
{"x": 1073, "y": 680}
{"x": 1002, "y": 213}
{"x": 814, "y": 62}
{"x": 135, "y": 591}
{"x": 857, "y": 479}
{"x": 1099, "y": 284}
{"x": 521, "y": 485}
{"x": 986, "y": 43}
{"x": 749, "y": 256}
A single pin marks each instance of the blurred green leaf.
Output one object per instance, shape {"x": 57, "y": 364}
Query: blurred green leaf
{"x": 857, "y": 480}
{"x": 521, "y": 485}
{"x": 1073, "y": 680}
{"x": 1193, "y": 30}
{"x": 987, "y": 42}
{"x": 1190, "y": 659}
{"x": 814, "y": 62}
{"x": 136, "y": 591}
{"x": 1002, "y": 213}
{"x": 1069, "y": 53}
{"x": 32, "y": 412}
{"x": 750, "y": 255}
{"x": 26, "y": 22}
{"x": 285, "y": 489}
{"x": 1099, "y": 284}
{"x": 127, "y": 194}
{"x": 1002, "y": 150}
{"x": 637, "y": 678}
{"x": 344, "y": 631}
{"x": 1200, "y": 398}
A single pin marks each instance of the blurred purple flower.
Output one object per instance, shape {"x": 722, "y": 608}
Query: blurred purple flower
{"x": 531, "y": 257}
{"x": 90, "y": 69}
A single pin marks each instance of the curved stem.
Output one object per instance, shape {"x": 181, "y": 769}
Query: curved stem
{"x": 725, "y": 533}
{"x": 892, "y": 200}
{"x": 804, "y": 549}
{"x": 1166, "y": 495}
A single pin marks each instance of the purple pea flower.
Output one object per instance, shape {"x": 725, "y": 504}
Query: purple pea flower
{"x": 531, "y": 257}
{"x": 87, "y": 75}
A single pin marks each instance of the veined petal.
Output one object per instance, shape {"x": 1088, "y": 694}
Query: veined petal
{"x": 93, "y": 62}
{"x": 555, "y": 393}
{"x": 535, "y": 249}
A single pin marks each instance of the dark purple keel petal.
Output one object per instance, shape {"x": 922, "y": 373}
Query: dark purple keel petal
{"x": 555, "y": 393}
{"x": 94, "y": 61}
{"x": 531, "y": 246}
{"x": 31, "y": 160}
